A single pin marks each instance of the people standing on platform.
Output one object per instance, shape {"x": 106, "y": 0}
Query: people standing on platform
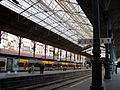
{"x": 74, "y": 67}
{"x": 32, "y": 68}
{"x": 29, "y": 70}
{"x": 61, "y": 67}
{"x": 53, "y": 67}
{"x": 42, "y": 66}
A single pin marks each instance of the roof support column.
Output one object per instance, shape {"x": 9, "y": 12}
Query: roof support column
{"x": 80, "y": 57}
{"x": 0, "y": 36}
{"x": 34, "y": 48}
{"x": 112, "y": 57}
{"x": 60, "y": 53}
{"x": 66, "y": 55}
{"x": 74, "y": 56}
{"x": 45, "y": 50}
{"x": 96, "y": 62}
{"x": 53, "y": 53}
{"x": 77, "y": 57}
{"x": 20, "y": 42}
{"x": 70, "y": 56}
{"x": 107, "y": 64}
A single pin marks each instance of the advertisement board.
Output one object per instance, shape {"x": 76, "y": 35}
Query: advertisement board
{"x": 15, "y": 64}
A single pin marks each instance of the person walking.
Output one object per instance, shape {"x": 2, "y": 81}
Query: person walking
{"x": 42, "y": 66}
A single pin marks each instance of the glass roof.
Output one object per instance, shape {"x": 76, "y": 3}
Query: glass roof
{"x": 64, "y": 17}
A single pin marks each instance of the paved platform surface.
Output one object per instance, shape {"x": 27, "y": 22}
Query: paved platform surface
{"x": 20, "y": 74}
{"x": 113, "y": 84}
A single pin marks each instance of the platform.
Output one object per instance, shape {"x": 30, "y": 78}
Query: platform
{"x": 21, "y": 74}
{"x": 84, "y": 84}
{"x": 24, "y": 80}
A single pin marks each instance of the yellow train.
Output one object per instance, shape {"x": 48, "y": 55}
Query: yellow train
{"x": 12, "y": 63}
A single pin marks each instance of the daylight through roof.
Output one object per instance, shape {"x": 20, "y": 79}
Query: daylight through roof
{"x": 64, "y": 17}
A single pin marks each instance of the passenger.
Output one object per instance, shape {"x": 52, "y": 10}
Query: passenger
{"x": 29, "y": 70}
{"x": 87, "y": 66}
{"x": 74, "y": 67}
{"x": 32, "y": 68}
{"x": 53, "y": 67}
{"x": 42, "y": 66}
{"x": 61, "y": 67}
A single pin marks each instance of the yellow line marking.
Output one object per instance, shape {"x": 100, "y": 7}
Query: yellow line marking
{"x": 80, "y": 82}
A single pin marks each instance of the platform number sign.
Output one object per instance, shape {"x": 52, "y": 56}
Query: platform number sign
{"x": 90, "y": 41}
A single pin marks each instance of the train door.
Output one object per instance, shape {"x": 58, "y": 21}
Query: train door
{"x": 2, "y": 64}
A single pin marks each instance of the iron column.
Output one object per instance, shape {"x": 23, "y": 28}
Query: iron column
{"x": 107, "y": 48}
{"x": 45, "y": 50}
{"x": 19, "y": 46}
{"x": 96, "y": 62}
{"x": 34, "y": 48}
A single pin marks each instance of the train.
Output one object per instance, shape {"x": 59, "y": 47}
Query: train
{"x": 15, "y": 63}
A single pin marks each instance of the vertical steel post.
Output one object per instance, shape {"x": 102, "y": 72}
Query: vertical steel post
{"x": 20, "y": 41}
{"x": 77, "y": 57}
{"x": 60, "y": 54}
{"x": 70, "y": 56}
{"x": 45, "y": 50}
{"x": 66, "y": 55}
{"x": 34, "y": 48}
{"x": 53, "y": 53}
{"x": 80, "y": 57}
{"x": 74, "y": 56}
{"x": 96, "y": 62}
{"x": 0, "y": 36}
{"x": 107, "y": 48}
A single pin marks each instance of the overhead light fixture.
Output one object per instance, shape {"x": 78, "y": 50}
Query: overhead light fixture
{"x": 15, "y": 1}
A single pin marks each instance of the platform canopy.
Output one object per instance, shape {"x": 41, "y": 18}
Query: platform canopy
{"x": 113, "y": 7}
{"x": 53, "y": 21}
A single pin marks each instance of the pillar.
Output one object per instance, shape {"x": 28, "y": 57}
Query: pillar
{"x": 45, "y": 50}
{"x": 96, "y": 83}
{"x": 60, "y": 54}
{"x": 70, "y": 56}
{"x": 53, "y": 53}
{"x": 34, "y": 48}
{"x": 0, "y": 36}
{"x": 107, "y": 64}
{"x": 20, "y": 41}
{"x": 66, "y": 55}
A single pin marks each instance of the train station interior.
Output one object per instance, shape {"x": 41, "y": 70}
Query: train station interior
{"x": 59, "y": 44}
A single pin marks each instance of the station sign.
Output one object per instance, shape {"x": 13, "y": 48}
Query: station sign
{"x": 90, "y": 41}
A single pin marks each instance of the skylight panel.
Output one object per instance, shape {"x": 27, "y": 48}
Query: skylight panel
{"x": 64, "y": 17}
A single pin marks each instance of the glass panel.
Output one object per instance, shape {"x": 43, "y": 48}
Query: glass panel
{"x": 55, "y": 15}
